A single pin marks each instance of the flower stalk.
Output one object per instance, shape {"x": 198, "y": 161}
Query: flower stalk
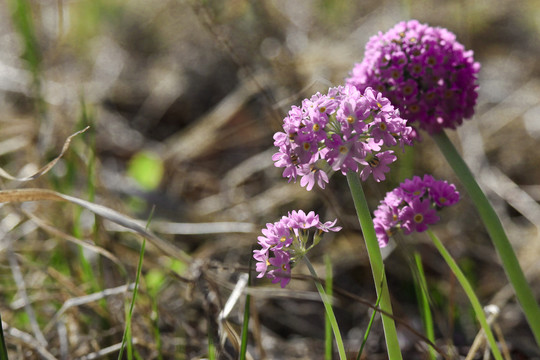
{"x": 496, "y": 231}
{"x": 480, "y": 316}
{"x": 377, "y": 266}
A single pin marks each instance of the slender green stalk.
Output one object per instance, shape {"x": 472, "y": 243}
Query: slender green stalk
{"x": 127, "y": 330}
{"x": 479, "y": 311}
{"x": 368, "y": 330}
{"x": 496, "y": 232}
{"x": 211, "y": 347}
{"x": 3, "y": 348}
{"x": 327, "y": 325}
{"x": 329, "y": 311}
{"x": 377, "y": 266}
{"x": 245, "y": 324}
{"x": 424, "y": 304}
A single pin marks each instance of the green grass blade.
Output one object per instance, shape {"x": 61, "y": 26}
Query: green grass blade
{"x": 211, "y": 347}
{"x": 245, "y": 323}
{"x": 370, "y": 324}
{"x": 329, "y": 311}
{"x": 22, "y": 19}
{"x": 425, "y": 310}
{"x": 479, "y": 311}
{"x": 127, "y": 330}
{"x": 496, "y": 231}
{"x": 329, "y": 341}
{"x": 3, "y": 348}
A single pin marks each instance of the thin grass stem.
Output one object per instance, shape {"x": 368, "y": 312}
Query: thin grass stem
{"x": 329, "y": 311}
{"x": 245, "y": 323}
{"x": 3, "y": 348}
{"x": 368, "y": 329}
{"x": 328, "y": 347}
{"x": 496, "y": 232}
{"x": 424, "y": 304}
{"x": 377, "y": 266}
{"x": 479, "y": 311}
{"x": 127, "y": 330}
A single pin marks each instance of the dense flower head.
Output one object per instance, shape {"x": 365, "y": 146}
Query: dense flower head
{"x": 424, "y": 71}
{"x": 344, "y": 130}
{"x": 412, "y": 206}
{"x": 287, "y": 241}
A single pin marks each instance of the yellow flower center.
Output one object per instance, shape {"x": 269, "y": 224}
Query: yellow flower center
{"x": 418, "y": 218}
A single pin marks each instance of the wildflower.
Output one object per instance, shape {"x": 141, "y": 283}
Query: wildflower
{"x": 287, "y": 241}
{"x": 412, "y": 206}
{"x": 344, "y": 130}
{"x": 423, "y": 71}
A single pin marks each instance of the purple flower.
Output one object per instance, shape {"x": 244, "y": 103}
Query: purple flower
{"x": 423, "y": 71}
{"x": 377, "y": 165}
{"x": 412, "y": 206}
{"x": 340, "y": 131}
{"x": 417, "y": 216}
{"x": 444, "y": 194}
{"x": 282, "y": 268}
{"x": 287, "y": 241}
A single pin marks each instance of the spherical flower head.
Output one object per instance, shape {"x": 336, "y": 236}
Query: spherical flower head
{"x": 412, "y": 206}
{"x": 286, "y": 241}
{"x": 344, "y": 130}
{"x": 423, "y": 71}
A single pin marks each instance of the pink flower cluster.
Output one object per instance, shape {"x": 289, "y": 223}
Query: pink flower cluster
{"x": 287, "y": 241}
{"x": 424, "y": 72}
{"x": 412, "y": 206}
{"x": 341, "y": 130}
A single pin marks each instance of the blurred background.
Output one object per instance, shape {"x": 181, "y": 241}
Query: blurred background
{"x": 182, "y": 98}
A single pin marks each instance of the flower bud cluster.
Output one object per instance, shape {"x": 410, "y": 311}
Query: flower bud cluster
{"x": 424, "y": 72}
{"x": 412, "y": 206}
{"x": 287, "y": 241}
{"x": 342, "y": 130}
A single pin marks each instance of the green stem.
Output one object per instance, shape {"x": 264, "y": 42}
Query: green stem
{"x": 368, "y": 329}
{"x": 377, "y": 266}
{"x": 328, "y": 347}
{"x": 424, "y": 303}
{"x": 3, "y": 348}
{"x": 496, "y": 232}
{"x": 479, "y": 311}
{"x": 329, "y": 311}
{"x": 245, "y": 323}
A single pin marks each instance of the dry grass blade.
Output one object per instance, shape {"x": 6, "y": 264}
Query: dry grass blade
{"x": 47, "y": 167}
{"x": 24, "y": 195}
{"x": 82, "y": 300}
{"x": 85, "y": 244}
{"x": 104, "y": 352}
{"x": 28, "y": 340}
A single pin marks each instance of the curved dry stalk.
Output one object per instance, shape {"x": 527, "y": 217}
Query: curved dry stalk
{"x": 85, "y": 244}
{"x": 45, "y": 169}
{"x": 24, "y": 195}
